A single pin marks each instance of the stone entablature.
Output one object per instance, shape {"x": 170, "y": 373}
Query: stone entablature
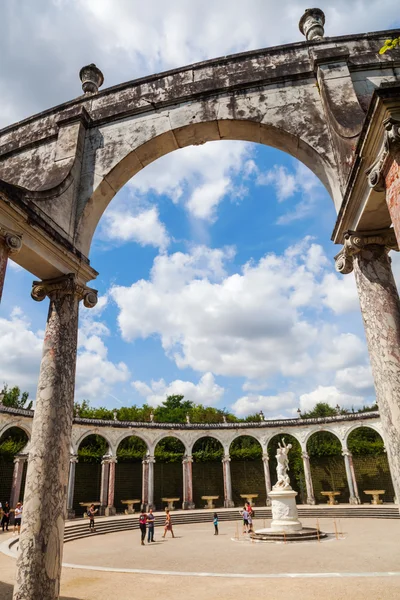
{"x": 151, "y": 433}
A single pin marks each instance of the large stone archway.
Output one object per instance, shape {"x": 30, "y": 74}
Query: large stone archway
{"x": 61, "y": 168}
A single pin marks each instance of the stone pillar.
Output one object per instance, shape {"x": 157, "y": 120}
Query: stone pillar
{"x": 150, "y": 494}
{"x": 10, "y": 243}
{"x": 267, "y": 477}
{"x": 308, "y": 479}
{"x": 226, "y": 467}
{"x": 145, "y": 482}
{"x": 19, "y": 462}
{"x": 380, "y": 306}
{"x": 42, "y": 532}
{"x": 111, "y": 510}
{"x": 348, "y": 462}
{"x": 71, "y": 486}
{"x": 104, "y": 481}
{"x": 187, "y": 483}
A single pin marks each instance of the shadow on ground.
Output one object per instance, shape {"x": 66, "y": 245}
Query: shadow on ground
{"x": 6, "y": 592}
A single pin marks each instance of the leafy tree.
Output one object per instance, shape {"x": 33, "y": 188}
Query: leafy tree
{"x": 173, "y": 410}
{"x": 321, "y": 409}
{"x": 13, "y": 397}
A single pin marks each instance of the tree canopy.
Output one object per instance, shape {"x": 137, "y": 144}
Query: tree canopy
{"x": 13, "y": 397}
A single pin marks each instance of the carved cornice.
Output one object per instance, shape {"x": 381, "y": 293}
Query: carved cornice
{"x": 391, "y": 144}
{"x": 12, "y": 240}
{"x": 354, "y": 242}
{"x": 64, "y": 286}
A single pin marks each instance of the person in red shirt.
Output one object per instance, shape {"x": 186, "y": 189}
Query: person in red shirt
{"x": 142, "y": 525}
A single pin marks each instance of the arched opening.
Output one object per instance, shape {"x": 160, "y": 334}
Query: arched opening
{"x": 88, "y": 470}
{"x": 12, "y": 442}
{"x": 328, "y": 469}
{"x": 128, "y": 471}
{"x": 247, "y": 471}
{"x": 371, "y": 466}
{"x": 207, "y": 471}
{"x": 168, "y": 474}
{"x": 296, "y": 470}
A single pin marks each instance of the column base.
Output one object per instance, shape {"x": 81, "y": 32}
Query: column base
{"x": 149, "y": 506}
{"x": 70, "y": 514}
{"x": 229, "y": 504}
{"x": 268, "y": 502}
{"x": 188, "y": 505}
{"x": 311, "y": 501}
{"x": 102, "y": 511}
{"x": 354, "y": 500}
{"x": 110, "y": 511}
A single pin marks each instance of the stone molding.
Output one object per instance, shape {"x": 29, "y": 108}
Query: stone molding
{"x": 20, "y": 458}
{"x": 355, "y": 242}
{"x": 391, "y": 144}
{"x": 305, "y": 455}
{"x": 108, "y": 460}
{"x": 226, "y": 459}
{"x": 64, "y": 286}
{"x": 12, "y": 240}
{"x": 73, "y": 458}
{"x": 187, "y": 459}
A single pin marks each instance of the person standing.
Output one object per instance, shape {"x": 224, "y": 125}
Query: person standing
{"x": 17, "y": 517}
{"x": 142, "y": 525}
{"x": 90, "y": 513}
{"x": 168, "y": 524}
{"x": 150, "y": 526}
{"x": 5, "y": 520}
{"x": 245, "y": 516}
{"x": 215, "y": 524}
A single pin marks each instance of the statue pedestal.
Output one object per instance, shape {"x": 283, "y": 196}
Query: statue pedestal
{"x": 284, "y": 511}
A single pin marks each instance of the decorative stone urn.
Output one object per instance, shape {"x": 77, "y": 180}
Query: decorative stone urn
{"x": 312, "y": 24}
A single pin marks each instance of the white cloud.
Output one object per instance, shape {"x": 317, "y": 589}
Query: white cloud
{"x": 332, "y": 396}
{"x": 144, "y": 226}
{"x": 339, "y": 293}
{"x": 254, "y": 323}
{"x": 355, "y": 379}
{"x": 254, "y": 403}
{"x": 206, "y": 391}
{"x": 285, "y": 183}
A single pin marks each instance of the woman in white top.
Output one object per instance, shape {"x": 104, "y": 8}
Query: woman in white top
{"x": 18, "y": 517}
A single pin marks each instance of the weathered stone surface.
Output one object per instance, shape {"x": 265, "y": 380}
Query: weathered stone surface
{"x": 10, "y": 243}
{"x": 226, "y": 469}
{"x": 308, "y": 478}
{"x": 39, "y": 561}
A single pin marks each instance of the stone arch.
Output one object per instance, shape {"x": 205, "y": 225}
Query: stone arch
{"x": 16, "y": 439}
{"x": 89, "y": 432}
{"x": 17, "y": 425}
{"x": 225, "y": 443}
{"x": 352, "y": 428}
{"x": 208, "y": 478}
{"x": 168, "y": 469}
{"x": 127, "y": 434}
{"x": 247, "y": 470}
{"x": 296, "y": 472}
{"x": 129, "y": 468}
{"x": 369, "y": 461}
{"x": 325, "y": 428}
{"x": 294, "y": 434}
{"x": 147, "y": 147}
{"x": 168, "y": 434}
{"x": 328, "y": 471}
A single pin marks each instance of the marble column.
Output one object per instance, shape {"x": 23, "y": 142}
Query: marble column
{"x": 350, "y": 477}
{"x": 71, "y": 486}
{"x": 10, "y": 243}
{"x": 111, "y": 510}
{"x": 187, "y": 482}
{"x": 308, "y": 478}
{"x": 367, "y": 254}
{"x": 42, "y": 532}
{"x": 19, "y": 462}
{"x": 226, "y": 467}
{"x": 145, "y": 483}
{"x": 104, "y": 481}
{"x": 267, "y": 477}
{"x": 150, "y": 494}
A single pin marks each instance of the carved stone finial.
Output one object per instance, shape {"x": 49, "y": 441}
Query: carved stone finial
{"x": 354, "y": 242}
{"x": 92, "y": 78}
{"x": 63, "y": 286}
{"x": 312, "y": 24}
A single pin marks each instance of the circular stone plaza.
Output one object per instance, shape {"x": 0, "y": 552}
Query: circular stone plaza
{"x": 269, "y": 514}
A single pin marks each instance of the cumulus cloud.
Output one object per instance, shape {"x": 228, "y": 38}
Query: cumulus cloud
{"x": 206, "y": 391}
{"x": 252, "y": 404}
{"x": 332, "y": 396}
{"x": 123, "y": 224}
{"x": 252, "y": 323}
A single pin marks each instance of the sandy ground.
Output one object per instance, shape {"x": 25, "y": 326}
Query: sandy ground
{"x": 369, "y": 546}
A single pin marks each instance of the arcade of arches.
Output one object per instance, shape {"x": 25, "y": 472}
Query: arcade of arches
{"x": 207, "y": 470}
{"x": 332, "y": 103}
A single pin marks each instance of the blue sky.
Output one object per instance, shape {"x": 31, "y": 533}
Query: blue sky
{"x": 216, "y": 266}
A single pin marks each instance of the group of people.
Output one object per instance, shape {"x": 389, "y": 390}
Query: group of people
{"x": 6, "y": 511}
{"x": 146, "y": 522}
{"x": 247, "y": 515}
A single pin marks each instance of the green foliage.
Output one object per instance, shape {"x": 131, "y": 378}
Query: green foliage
{"x": 173, "y": 410}
{"x": 245, "y": 448}
{"x": 390, "y": 45}
{"x": 207, "y": 449}
{"x": 12, "y": 442}
{"x": 324, "y": 443}
{"x": 92, "y": 449}
{"x": 13, "y": 397}
{"x": 321, "y": 409}
{"x": 365, "y": 441}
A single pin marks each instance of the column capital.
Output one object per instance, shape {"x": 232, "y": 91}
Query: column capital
{"x": 149, "y": 459}
{"x": 65, "y": 285}
{"x": 188, "y": 458}
{"x": 20, "y": 457}
{"x": 346, "y": 452}
{"x": 226, "y": 458}
{"x": 391, "y": 144}
{"x": 356, "y": 241}
{"x": 12, "y": 240}
{"x": 305, "y": 455}
{"x": 107, "y": 459}
{"x": 265, "y": 457}
{"x": 73, "y": 458}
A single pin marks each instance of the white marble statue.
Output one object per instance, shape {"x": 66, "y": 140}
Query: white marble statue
{"x": 282, "y": 467}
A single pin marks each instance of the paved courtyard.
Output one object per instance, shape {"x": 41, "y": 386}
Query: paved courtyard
{"x": 360, "y": 565}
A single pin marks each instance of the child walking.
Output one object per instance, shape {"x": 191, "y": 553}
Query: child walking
{"x": 215, "y": 524}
